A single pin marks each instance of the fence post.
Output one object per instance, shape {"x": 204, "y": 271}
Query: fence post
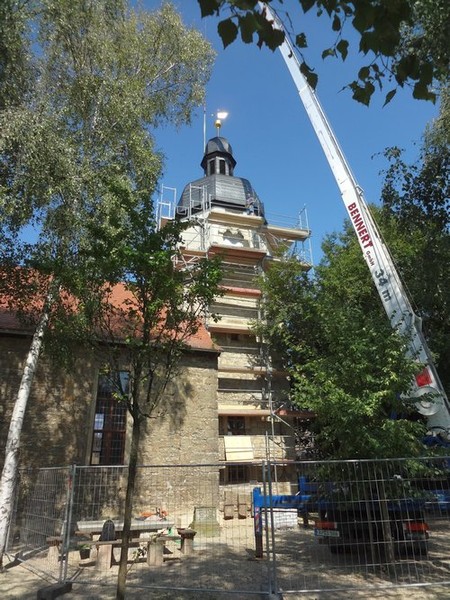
{"x": 257, "y": 525}
{"x": 271, "y": 551}
{"x": 67, "y": 525}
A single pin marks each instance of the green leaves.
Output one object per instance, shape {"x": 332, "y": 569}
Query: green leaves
{"x": 347, "y": 365}
{"x": 248, "y": 24}
{"x": 311, "y": 77}
{"x": 307, "y": 4}
{"x": 77, "y": 156}
{"x": 418, "y": 197}
{"x": 16, "y": 72}
{"x": 105, "y": 81}
{"x": 404, "y": 41}
{"x": 389, "y": 96}
{"x": 301, "y": 41}
{"x": 228, "y": 31}
{"x": 363, "y": 93}
{"x": 248, "y": 21}
{"x": 342, "y": 48}
{"x": 337, "y": 24}
{"x": 209, "y": 7}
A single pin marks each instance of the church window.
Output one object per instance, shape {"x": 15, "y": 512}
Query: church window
{"x": 108, "y": 440}
{"x": 222, "y": 167}
{"x": 234, "y": 474}
{"x": 236, "y": 426}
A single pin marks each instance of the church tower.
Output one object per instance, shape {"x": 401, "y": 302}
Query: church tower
{"x": 227, "y": 218}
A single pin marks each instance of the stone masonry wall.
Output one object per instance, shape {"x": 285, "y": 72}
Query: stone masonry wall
{"x": 187, "y": 434}
{"x": 59, "y": 420}
{"x": 59, "y": 407}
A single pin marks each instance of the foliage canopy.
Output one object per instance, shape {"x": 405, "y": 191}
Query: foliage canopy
{"x": 405, "y": 42}
{"x": 347, "y": 366}
{"x": 83, "y": 83}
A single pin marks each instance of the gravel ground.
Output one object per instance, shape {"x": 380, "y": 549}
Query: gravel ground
{"x": 228, "y": 563}
{"x": 19, "y": 583}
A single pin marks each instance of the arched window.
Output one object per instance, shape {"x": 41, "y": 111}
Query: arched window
{"x": 222, "y": 166}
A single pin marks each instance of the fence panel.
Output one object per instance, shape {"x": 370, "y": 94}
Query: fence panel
{"x": 365, "y": 525}
{"x": 170, "y": 503}
{"x": 39, "y": 521}
{"x": 312, "y": 527}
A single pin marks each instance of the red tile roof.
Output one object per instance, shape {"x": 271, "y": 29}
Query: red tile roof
{"x": 118, "y": 295}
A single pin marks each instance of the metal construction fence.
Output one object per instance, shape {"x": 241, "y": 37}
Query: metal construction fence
{"x": 311, "y": 527}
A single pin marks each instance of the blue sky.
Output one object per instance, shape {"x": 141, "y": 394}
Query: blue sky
{"x": 272, "y": 139}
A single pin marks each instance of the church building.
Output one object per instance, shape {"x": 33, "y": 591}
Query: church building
{"x": 232, "y": 400}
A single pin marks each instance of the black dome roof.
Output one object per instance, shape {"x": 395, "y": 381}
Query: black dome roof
{"x": 219, "y": 146}
{"x": 219, "y": 189}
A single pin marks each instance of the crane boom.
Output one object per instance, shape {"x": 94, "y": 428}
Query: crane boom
{"x": 426, "y": 390}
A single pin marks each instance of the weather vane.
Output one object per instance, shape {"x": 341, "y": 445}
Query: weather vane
{"x": 220, "y": 116}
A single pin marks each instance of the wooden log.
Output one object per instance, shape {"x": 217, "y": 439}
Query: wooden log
{"x": 104, "y": 556}
{"x": 155, "y": 552}
{"x": 54, "y": 544}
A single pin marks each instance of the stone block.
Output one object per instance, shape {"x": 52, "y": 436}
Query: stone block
{"x": 243, "y": 506}
{"x": 228, "y": 505}
{"x": 205, "y": 521}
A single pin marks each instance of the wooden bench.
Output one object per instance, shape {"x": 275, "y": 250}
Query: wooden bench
{"x": 105, "y": 551}
{"x": 157, "y": 544}
{"x": 155, "y": 548}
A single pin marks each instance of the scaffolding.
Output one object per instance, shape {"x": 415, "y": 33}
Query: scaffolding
{"x": 249, "y": 385}
{"x": 165, "y": 207}
{"x": 198, "y": 208}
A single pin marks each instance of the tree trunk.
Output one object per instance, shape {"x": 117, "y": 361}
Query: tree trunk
{"x": 132, "y": 471}
{"x": 9, "y": 473}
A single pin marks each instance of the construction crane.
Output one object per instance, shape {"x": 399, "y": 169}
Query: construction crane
{"x": 426, "y": 390}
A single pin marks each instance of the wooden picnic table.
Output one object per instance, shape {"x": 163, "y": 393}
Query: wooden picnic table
{"x": 154, "y": 532}
{"x": 149, "y": 531}
{"x": 139, "y": 527}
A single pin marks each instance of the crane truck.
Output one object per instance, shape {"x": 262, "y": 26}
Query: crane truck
{"x": 346, "y": 528}
{"x": 426, "y": 391}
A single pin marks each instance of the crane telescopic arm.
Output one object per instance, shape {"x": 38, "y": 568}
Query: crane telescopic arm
{"x": 426, "y": 390}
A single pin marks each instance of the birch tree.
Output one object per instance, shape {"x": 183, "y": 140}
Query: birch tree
{"x": 100, "y": 77}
